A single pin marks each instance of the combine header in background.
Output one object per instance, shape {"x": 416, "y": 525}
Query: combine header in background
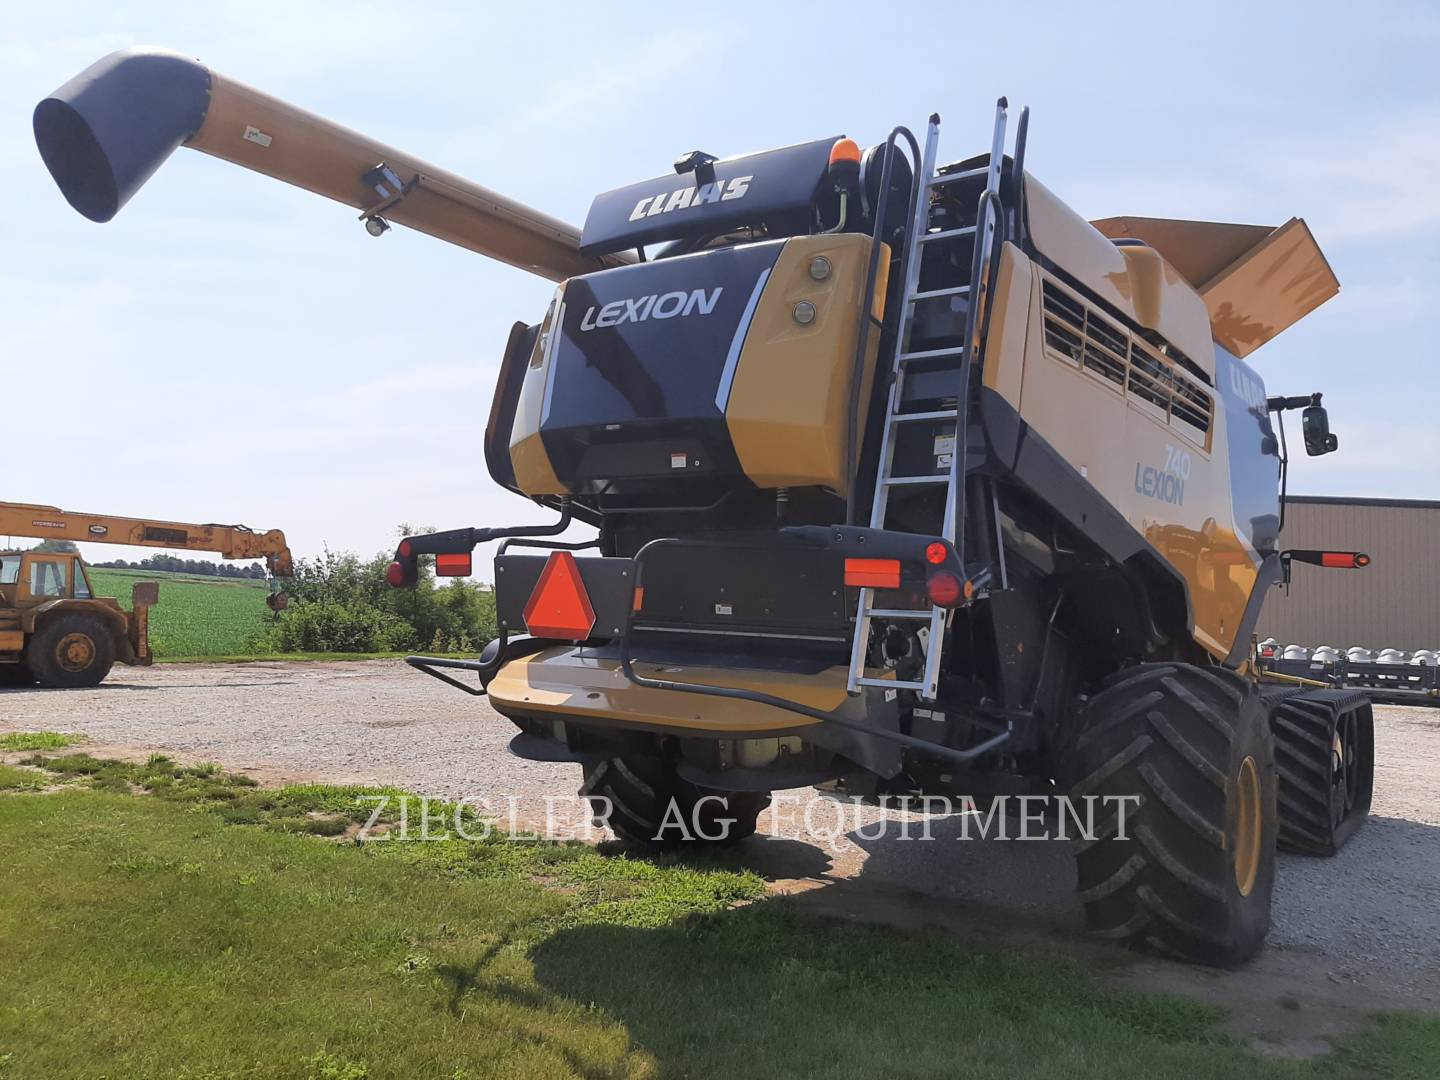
{"x": 904, "y": 477}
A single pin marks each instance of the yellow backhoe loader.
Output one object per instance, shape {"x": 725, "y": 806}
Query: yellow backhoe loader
{"x": 906, "y": 479}
{"x": 55, "y": 631}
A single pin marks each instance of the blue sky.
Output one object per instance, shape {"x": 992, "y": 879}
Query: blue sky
{"x": 233, "y": 349}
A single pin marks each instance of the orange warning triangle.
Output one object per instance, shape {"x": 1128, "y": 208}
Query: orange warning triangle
{"x": 560, "y": 607}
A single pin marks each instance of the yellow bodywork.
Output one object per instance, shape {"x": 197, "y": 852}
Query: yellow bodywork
{"x": 1255, "y": 280}
{"x": 1100, "y": 425}
{"x": 566, "y": 681}
{"x": 787, "y": 409}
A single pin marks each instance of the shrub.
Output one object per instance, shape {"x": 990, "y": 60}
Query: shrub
{"x": 340, "y": 603}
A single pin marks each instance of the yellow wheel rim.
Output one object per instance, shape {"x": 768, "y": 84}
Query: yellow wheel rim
{"x": 1247, "y": 826}
{"x": 75, "y": 652}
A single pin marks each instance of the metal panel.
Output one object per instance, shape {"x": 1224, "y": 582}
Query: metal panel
{"x": 606, "y": 580}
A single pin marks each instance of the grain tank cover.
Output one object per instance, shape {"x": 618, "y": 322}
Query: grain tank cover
{"x": 745, "y": 190}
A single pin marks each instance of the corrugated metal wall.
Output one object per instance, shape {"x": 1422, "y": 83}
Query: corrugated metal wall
{"x": 1393, "y": 603}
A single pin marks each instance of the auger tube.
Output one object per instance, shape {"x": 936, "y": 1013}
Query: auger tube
{"x": 107, "y": 130}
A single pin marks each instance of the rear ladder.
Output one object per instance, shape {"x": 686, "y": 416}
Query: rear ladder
{"x": 957, "y": 359}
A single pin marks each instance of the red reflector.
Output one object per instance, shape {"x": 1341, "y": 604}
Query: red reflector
{"x": 453, "y": 565}
{"x": 395, "y": 575}
{"x": 945, "y": 590}
{"x": 639, "y": 600}
{"x": 935, "y": 554}
{"x": 1340, "y": 560}
{"x": 560, "y": 607}
{"x": 873, "y": 573}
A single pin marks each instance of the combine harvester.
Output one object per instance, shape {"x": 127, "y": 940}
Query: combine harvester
{"x": 905, "y": 479}
{"x": 55, "y": 631}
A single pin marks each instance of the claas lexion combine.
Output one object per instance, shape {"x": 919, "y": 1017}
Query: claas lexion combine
{"x": 905, "y": 478}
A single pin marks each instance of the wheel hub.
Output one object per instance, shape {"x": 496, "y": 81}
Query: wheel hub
{"x": 1248, "y": 826}
{"x": 75, "y": 652}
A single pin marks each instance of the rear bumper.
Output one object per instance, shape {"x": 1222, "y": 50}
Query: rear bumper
{"x": 574, "y": 683}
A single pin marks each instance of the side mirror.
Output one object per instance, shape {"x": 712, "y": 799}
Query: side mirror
{"x": 1315, "y": 422}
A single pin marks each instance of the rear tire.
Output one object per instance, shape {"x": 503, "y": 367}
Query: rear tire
{"x": 644, "y": 801}
{"x": 1194, "y": 874}
{"x": 1325, "y": 754}
{"x": 69, "y": 651}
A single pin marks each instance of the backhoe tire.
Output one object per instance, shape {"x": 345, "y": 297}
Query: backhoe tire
{"x": 69, "y": 651}
{"x": 645, "y": 802}
{"x": 1194, "y": 872}
{"x": 18, "y": 674}
{"x": 1325, "y": 755}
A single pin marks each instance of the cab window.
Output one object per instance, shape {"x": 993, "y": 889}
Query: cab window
{"x": 82, "y": 587}
{"x": 9, "y": 569}
{"x": 48, "y": 578}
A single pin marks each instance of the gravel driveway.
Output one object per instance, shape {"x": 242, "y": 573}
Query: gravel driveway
{"x": 1365, "y": 925}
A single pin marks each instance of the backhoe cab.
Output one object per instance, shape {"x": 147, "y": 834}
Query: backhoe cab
{"x": 55, "y": 631}
{"x": 905, "y": 478}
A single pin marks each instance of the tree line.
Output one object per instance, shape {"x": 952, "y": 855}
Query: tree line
{"x": 171, "y": 564}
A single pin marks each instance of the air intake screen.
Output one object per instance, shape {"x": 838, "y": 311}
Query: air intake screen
{"x": 1111, "y": 353}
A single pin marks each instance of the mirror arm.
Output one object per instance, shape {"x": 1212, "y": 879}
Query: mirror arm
{"x": 1303, "y": 401}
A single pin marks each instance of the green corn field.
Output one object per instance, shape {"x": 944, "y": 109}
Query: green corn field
{"x": 196, "y": 616}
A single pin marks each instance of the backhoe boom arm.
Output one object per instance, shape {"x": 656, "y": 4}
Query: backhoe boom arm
{"x": 228, "y": 541}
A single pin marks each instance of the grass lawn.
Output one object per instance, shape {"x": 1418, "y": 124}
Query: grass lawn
{"x": 166, "y": 921}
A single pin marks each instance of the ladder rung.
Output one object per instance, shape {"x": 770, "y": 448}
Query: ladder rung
{"x": 958, "y": 290}
{"x": 946, "y": 234}
{"x": 941, "y": 179}
{"x": 933, "y": 414}
{"x": 926, "y": 354}
{"x": 900, "y": 613}
{"x": 890, "y": 684}
{"x": 894, "y": 481}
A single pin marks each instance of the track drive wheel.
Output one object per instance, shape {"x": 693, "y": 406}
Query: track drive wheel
{"x": 1325, "y": 753}
{"x": 70, "y": 651}
{"x": 644, "y": 801}
{"x": 1193, "y": 874}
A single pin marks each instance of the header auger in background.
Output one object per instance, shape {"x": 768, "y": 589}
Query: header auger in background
{"x": 1073, "y": 479}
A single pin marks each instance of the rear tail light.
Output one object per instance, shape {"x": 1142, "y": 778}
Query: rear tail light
{"x": 936, "y": 553}
{"x": 453, "y": 565}
{"x": 395, "y": 575}
{"x": 945, "y": 589}
{"x": 1344, "y": 560}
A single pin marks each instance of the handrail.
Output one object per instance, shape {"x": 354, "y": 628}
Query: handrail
{"x": 862, "y": 342}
